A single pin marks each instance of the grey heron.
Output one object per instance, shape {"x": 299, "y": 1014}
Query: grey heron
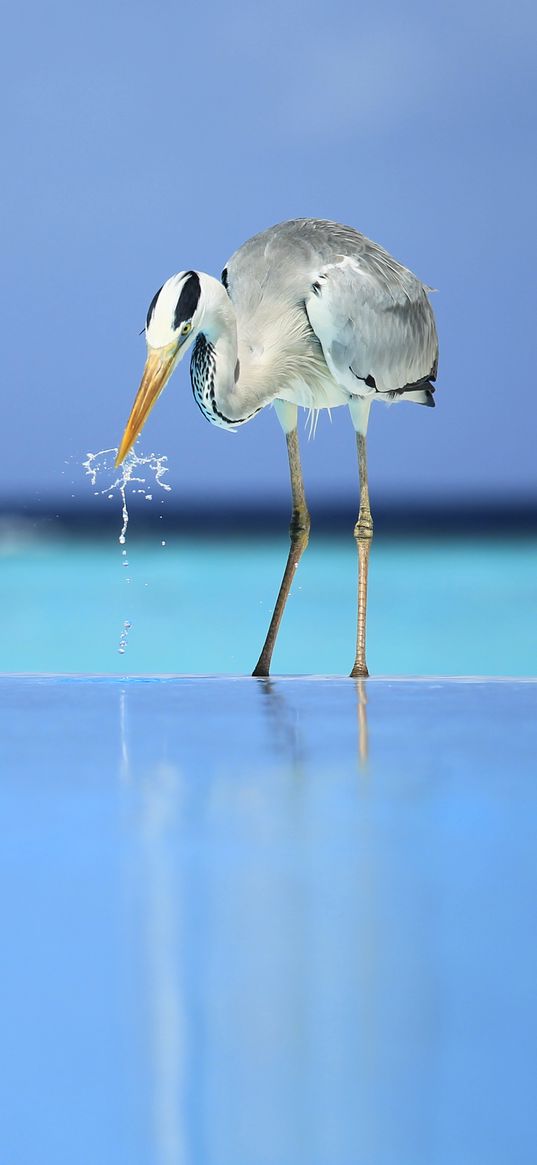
{"x": 307, "y": 314}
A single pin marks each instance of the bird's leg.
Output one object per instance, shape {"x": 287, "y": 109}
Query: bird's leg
{"x": 363, "y": 532}
{"x": 299, "y": 532}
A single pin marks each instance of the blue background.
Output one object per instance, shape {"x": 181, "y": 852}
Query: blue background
{"x": 145, "y": 139}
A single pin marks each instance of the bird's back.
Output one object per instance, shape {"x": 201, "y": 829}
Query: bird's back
{"x": 377, "y": 317}
{"x": 282, "y": 260}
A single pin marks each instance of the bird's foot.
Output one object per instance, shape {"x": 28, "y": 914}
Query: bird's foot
{"x": 261, "y": 669}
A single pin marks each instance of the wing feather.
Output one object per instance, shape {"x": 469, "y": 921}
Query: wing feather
{"x": 375, "y": 325}
{"x": 371, "y": 315}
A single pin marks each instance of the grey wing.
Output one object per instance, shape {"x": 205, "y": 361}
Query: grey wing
{"x": 371, "y": 315}
{"x": 375, "y": 324}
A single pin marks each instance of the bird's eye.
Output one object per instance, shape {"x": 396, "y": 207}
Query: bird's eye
{"x": 185, "y": 329}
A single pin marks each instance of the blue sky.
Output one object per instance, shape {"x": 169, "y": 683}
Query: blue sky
{"x": 142, "y": 139}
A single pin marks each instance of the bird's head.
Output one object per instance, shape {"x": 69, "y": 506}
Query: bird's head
{"x": 174, "y": 318}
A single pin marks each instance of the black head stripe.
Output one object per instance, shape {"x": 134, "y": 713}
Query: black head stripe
{"x": 188, "y": 299}
{"x": 152, "y": 306}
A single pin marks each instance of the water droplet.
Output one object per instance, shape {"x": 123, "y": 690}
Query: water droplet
{"x": 117, "y": 480}
{"x": 122, "y": 645}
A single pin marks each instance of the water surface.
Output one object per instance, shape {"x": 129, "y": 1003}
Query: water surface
{"x": 281, "y": 923}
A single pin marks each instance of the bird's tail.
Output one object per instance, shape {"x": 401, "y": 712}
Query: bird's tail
{"x": 419, "y": 394}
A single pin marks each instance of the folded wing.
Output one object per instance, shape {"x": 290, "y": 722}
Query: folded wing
{"x": 375, "y": 325}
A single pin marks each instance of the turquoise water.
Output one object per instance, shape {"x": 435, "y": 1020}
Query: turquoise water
{"x": 446, "y": 607}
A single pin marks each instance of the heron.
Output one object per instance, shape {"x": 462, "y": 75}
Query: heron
{"x": 307, "y": 314}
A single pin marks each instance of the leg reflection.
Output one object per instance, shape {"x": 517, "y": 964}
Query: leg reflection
{"x": 284, "y": 725}
{"x": 363, "y": 730}
{"x": 288, "y": 738}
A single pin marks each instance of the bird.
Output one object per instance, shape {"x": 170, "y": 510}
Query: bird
{"x": 308, "y": 314}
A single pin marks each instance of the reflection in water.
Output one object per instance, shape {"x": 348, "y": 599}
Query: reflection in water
{"x": 283, "y": 720}
{"x": 124, "y": 767}
{"x": 282, "y": 934}
{"x": 160, "y": 813}
{"x": 157, "y": 818}
{"x": 363, "y": 733}
{"x": 286, "y": 735}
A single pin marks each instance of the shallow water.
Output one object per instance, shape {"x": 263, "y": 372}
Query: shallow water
{"x": 195, "y": 607}
{"x": 282, "y": 923}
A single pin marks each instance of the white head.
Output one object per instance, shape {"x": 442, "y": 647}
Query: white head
{"x": 188, "y": 303}
{"x": 175, "y": 311}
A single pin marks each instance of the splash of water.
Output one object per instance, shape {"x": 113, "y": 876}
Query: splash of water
{"x": 125, "y": 475}
{"x": 137, "y": 474}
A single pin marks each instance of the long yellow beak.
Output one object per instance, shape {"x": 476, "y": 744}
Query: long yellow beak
{"x": 159, "y": 366}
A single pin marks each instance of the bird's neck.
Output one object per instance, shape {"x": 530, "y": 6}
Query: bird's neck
{"x": 228, "y": 384}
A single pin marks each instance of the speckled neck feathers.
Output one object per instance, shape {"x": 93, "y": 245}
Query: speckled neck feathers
{"x": 203, "y": 370}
